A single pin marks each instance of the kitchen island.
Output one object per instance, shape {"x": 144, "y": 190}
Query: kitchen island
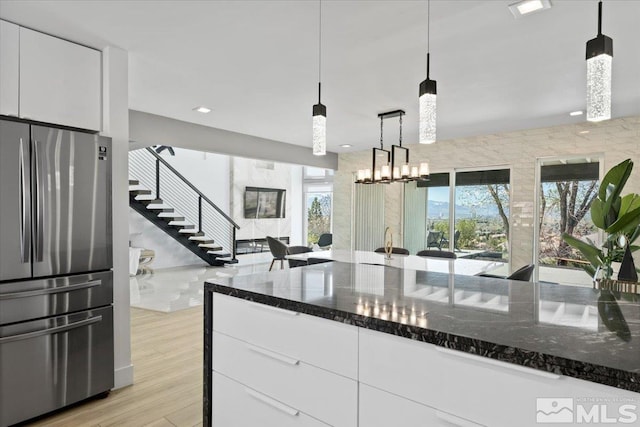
{"x": 347, "y": 344}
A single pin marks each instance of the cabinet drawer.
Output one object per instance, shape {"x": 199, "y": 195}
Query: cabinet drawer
{"x": 476, "y": 388}
{"x": 235, "y": 405}
{"x": 320, "y": 342}
{"x": 326, "y": 396}
{"x": 382, "y": 409}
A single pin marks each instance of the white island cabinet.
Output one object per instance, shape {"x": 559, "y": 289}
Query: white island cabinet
{"x": 279, "y": 368}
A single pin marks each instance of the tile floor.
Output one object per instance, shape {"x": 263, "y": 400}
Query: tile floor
{"x": 172, "y": 289}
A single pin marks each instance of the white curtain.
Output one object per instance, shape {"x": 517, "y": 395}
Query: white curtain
{"x": 415, "y": 217}
{"x": 368, "y": 216}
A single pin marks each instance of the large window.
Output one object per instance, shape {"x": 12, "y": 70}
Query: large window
{"x": 318, "y": 203}
{"x": 482, "y": 214}
{"x": 567, "y": 188}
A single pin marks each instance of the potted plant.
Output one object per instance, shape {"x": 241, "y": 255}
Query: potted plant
{"x": 619, "y": 217}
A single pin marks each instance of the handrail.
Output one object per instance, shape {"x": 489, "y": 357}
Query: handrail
{"x": 179, "y": 175}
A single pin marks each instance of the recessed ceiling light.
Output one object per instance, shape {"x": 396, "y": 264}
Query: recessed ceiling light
{"x": 526, "y": 7}
{"x": 202, "y": 109}
{"x": 345, "y": 145}
{"x": 584, "y": 131}
{"x": 575, "y": 113}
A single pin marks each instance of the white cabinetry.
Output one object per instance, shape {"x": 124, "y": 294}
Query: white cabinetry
{"x": 464, "y": 388}
{"x": 60, "y": 81}
{"x": 9, "y": 68}
{"x": 303, "y": 367}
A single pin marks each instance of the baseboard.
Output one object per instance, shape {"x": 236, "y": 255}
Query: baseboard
{"x": 123, "y": 377}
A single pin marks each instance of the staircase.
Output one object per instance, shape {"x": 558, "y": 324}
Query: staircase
{"x": 183, "y": 212}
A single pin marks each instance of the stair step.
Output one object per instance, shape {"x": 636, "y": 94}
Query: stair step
{"x": 199, "y": 237}
{"x": 172, "y": 217}
{"x": 219, "y": 254}
{"x": 210, "y": 246}
{"x": 134, "y": 182}
{"x": 139, "y": 192}
{"x": 183, "y": 226}
{"x": 191, "y": 231}
{"x": 145, "y": 198}
{"x": 156, "y": 205}
{"x": 164, "y": 210}
{"x": 203, "y": 243}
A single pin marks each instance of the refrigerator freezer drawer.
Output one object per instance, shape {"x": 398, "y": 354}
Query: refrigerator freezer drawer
{"x": 33, "y": 299}
{"x": 51, "y": 363}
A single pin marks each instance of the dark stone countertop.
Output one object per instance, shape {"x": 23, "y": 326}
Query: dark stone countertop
{"x": 580, "y": 332}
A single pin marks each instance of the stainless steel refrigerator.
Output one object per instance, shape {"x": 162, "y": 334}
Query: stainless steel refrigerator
{"x": 56, "y": 286}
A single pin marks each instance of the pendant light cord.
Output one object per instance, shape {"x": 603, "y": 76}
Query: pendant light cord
{"x": 319, "y": 47}
{"x": 428, "y": 34}
{"x": 400, "y": 139}
{"x": 381, "y": 145}
{"x": 600, "y": 18}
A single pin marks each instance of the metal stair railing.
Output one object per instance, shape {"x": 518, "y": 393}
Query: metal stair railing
{"x": 166, "y": 183}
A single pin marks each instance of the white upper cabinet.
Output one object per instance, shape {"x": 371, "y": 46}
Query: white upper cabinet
{"x": 9, "y": 67}
{"x": 60, "y": 81}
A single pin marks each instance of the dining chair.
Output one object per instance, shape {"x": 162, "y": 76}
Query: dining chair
{"x": 434, "y": 238}
{"x": 394, "y": 250}
{"x": 437, "y": 254}
{"x": 523, "y": 273}
{"x": 292, "y": 250}
{"x": 325, "y": 240}
{"x": 278, "y": 250}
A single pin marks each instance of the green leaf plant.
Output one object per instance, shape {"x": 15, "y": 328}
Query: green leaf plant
{"x": 618, "y": 216}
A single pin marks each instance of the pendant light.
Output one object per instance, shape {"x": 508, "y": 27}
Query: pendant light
{"x": 319, "y": 110}
{"x": 427, "y": 98}
{"x": 599, "y": 58}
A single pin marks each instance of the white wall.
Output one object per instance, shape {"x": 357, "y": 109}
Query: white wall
{"x": 258, "y": 173}
{"x": 209, "y": 172}
{"x": 116, "y": 125}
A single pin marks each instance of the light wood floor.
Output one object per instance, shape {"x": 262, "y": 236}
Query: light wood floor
{"x": 167, "y": 357}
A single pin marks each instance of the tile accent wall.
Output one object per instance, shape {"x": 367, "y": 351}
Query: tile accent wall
{"x": 615, "y": 139}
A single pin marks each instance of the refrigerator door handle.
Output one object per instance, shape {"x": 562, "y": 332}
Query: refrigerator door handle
{"x": 24, "y": 218}
{"x": 37, "y": 190}
{"x": 61, "y": 289}
{"x": 51, "y": 331}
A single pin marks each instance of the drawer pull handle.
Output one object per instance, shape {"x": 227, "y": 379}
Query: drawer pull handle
{"x": 456, "y": 421}
{"x": 488, "y": 361}
{"x": 48, "y": 291}
{"x": 272, "y": 355}
{"x": 273, "y": 309}
{"x": 51, "y": 331}
{"x": 272, "y": 402}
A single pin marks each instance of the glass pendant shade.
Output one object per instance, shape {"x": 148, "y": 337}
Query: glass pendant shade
{"x": 427, "y": 119}
{"x": 424, "y": 170}
{"x": 386, "y": 172}
{"x": 599, "y": 60}
{"x": 405, "y": 171}
{"x": 367, "y": 175}
{"x": 599, "y": 88}
{"x": 414, "y": 172}
{"x": 319, "y": 130}
{"x": 396, "y": 172}
{"x": 360, "y": 175}
{"x": 377, "y": 176}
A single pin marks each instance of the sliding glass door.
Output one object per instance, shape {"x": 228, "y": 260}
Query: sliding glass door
{"x": 482, "y": 207}
{"x": 567, "y": 187}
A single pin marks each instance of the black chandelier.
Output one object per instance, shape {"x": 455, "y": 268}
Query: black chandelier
{"x": 392, "y": 165}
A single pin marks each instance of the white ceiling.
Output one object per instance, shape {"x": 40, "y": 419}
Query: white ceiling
{"x": 255, "y": 62}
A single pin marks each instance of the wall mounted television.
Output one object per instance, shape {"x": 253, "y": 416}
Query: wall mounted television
{"x": 264, "y": 202}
